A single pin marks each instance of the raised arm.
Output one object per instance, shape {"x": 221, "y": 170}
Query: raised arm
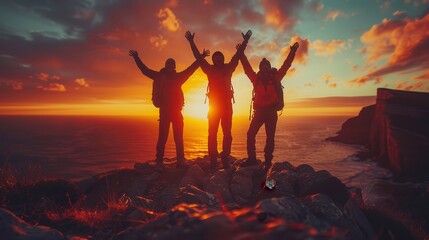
{"x": 203, "y": 63}
{"x": 185, "y": 74}
{"x": 288, "y": 62}
{"x": 240, "y": 49}
{"x": 248, "y": 68}
{"x": 143, "y": 68}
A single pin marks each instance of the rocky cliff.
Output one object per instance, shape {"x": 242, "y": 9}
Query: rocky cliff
{"x": 396, "y": 131}
{"x": 192, "y": 203}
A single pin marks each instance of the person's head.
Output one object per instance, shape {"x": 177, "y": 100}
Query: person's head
{"x": 218, "y": 58}
{"x": 170, "y": 65}
{"x": 264, "y": 65}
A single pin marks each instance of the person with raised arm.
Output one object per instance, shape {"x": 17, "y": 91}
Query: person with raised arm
{"x": 220, "y": 94}
{"x": 168, "y": 97}
{"x": 268, "y": 96}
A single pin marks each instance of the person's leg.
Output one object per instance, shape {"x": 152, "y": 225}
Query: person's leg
{"x": 254, "y": 127}
{"x": 177, "y": 122}
{"x": 214, "y": 119}
{"x": 270, "y": 130}
{"x": 226, "y": 124}
{"x": 164, "y": 127}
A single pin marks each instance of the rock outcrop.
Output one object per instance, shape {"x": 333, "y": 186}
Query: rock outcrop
{"x": 194, "y": 203}
{"x": 396, "y": 131}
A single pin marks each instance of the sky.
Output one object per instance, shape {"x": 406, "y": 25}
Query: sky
{"x": 62, "y": 57}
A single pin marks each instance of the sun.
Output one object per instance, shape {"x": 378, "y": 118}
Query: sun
{"x": 196, "y": 110}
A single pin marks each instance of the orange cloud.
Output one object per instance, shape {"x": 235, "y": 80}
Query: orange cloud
{"x": 423, "y": 76}
{"x": 302, "y": 53}
{"x": 279, "y": 13}
{"x": 43, "y": 76}
{"x": 328, "y": 48}
{"x": 168, "y": 19}
{"x": 405, "y": 42}
{"x": 54, "y": 87}
{"x": 158, "y": 41}
{"x": 81, "y": 82}
{"x": 411, "y": 86}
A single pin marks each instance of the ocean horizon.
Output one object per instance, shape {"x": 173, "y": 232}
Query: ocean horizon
{"x": 76, "y": 147}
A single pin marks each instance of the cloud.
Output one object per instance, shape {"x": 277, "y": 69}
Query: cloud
{"x": 168, "y": 20}
{"x": 54, "y": 87}
{"x": 92, "y": 39}
{"x": 158, "y": 41}
{"x": 332, "y": 85}
{"x": 328, "y": 48}
{"x": 406, "y": 85}
{"x": 339, "y": 101}
{"x": 281, "y": 14}
{"x": 398, "y": 13}
{"x": 316, "y": 6}
{"x": 81, "y": 82}
{"x": 423, "y": 76}
{"x": 405, "y": 44}
{"x": 17, "y": 85}
{"x": 43, "y": 77}
{"x": 332, "y": 15}
{"x": 301, "y": 55}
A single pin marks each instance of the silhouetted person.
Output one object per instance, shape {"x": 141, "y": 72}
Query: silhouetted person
{"x": 265, "y": 103}
{"x": 170, "y": 104}
{"x": 220, "y": 94}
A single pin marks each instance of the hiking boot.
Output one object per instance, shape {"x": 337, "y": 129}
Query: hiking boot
{"x": 181, "y": 163}
{"x": 159, "y": 165}
{"x": 249, "y": 162}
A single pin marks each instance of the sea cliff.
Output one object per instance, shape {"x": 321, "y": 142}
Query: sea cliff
{"x": 395, "y": 130}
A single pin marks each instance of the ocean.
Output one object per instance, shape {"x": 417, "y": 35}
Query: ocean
{"x": 75, "y": 147}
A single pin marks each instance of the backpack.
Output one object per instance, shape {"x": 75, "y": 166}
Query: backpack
{"x": 157, "y": 92}
{"x": 268, "y": 93}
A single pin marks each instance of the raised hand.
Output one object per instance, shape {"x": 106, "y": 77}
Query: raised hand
{"x": 295, "y": 46}
{"x": 205, "y": 53}
{"x": 189, "y": 36}
{"x": 133, "y": 53}
{"x": 238, "y": 46}
{"x": 246, "y": 36}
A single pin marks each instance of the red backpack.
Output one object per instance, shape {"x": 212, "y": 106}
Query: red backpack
{"x": 267, "y": 92}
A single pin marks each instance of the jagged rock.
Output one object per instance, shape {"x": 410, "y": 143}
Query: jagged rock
{"x": 280, "y": 166}
{"x": 304, "y": 168}
{"x": 323, "y": 207}
{"x": 194, "y": 176}
{"x": 191, "y": 194}
{"x": 109, "y": 187}
{"x": 288, "y": 207}
{"x": 284, "y": 184}
{"x": 150, "y": 204}
{"x": 219, "y": 185}
{"x": 245, "y": 183}
{"x": 12, "y": 227}
{"x": 322, "y": 182}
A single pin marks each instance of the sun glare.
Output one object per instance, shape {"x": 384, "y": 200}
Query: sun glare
{"x": 196, "y": 110}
